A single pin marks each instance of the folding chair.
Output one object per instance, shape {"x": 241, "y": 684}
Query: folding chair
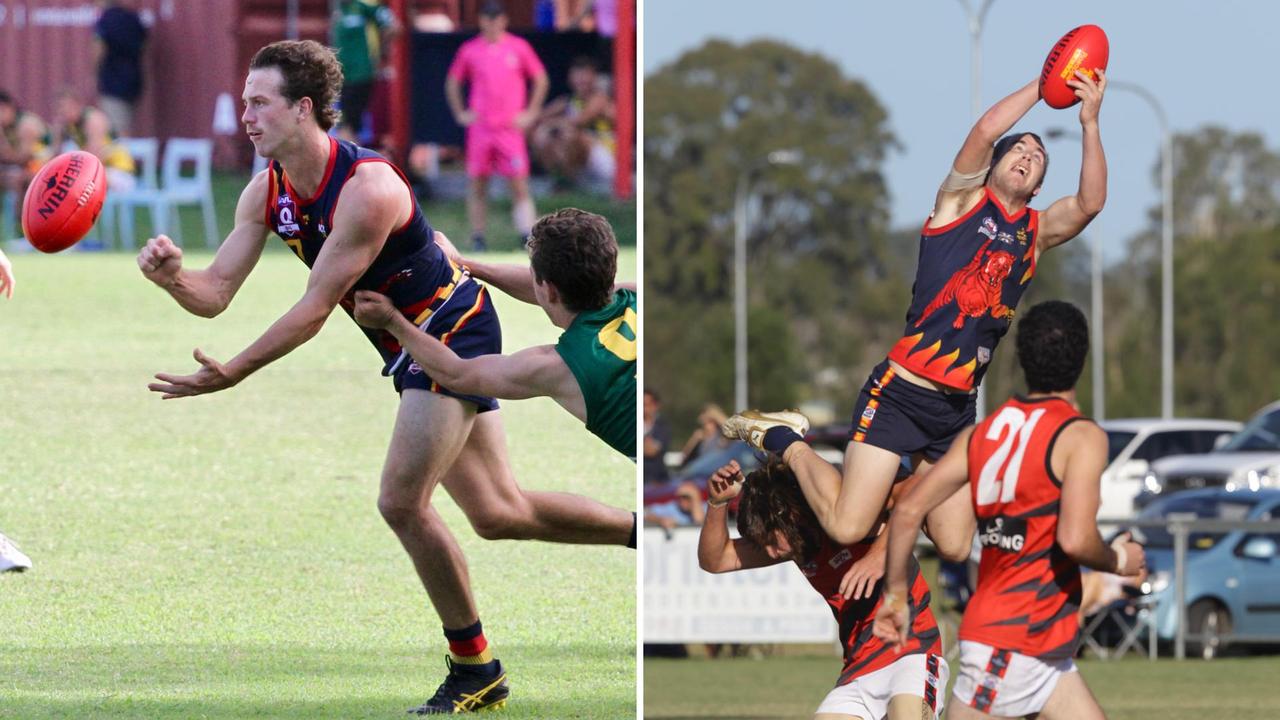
{"x": 1117, "y": 628}
{"x": 146, "y": 156}
{"x": 177, "y": 190}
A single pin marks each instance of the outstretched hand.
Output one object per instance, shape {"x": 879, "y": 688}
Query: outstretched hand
{"x": 1090, "y": 92}
{"x": 211, "y": 377}
{"x": 862, "y": 576}
{"x": 448, "y": 247}
{"x": 374, "y": 310}
{"x": 6, "y": 276}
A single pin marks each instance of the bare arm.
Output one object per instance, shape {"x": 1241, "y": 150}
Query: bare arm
{"x": 208, "y": 292}
{"x": 514, "y": 280}
{"x": 533, "y": 372}
{"x": 950, "y": 474}
{"x": 372, "y": 203}
{"x": 1067, "y": 217}
{"x": 717, "y": 552}
{"x": 1079, "y": 457}
{"x": 955, "y": 199}
{"x": 453, "y": 93}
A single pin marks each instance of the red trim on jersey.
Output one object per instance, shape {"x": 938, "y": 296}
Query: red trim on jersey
{"x": 928, "y": 231}
{"x": 412, "y": 200}
{"x": 328, "y": 171}
{"x": 271, "y": 193}
{"x": 931, "y": 682}
{"x": 1005, "y": 213}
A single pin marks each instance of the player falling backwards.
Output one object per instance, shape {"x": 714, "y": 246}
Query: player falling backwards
{"x": 978, "y": 252}
{"x": 777, "y": 525}
{"x": 351, "y": 217}
{"x": 1031, "y": 471}
{"x": 590, "y": 371}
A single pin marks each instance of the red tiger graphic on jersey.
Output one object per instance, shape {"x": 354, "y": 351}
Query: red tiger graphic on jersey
{"x": 975, "y": 288}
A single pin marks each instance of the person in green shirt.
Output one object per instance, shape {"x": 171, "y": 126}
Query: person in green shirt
{"x": 590, "y": 371}
{"x": 360, "y": 29}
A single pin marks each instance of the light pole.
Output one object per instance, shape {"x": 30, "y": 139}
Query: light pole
{"x": 777, "y": 157}
{"x": 976, "y": 18}
{"x": 1097, "y": 353}
{"x": 1166, "y": 245}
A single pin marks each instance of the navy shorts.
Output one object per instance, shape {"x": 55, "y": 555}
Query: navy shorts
{"x": 906, "y": 419}
{"x": 468, "y": 323}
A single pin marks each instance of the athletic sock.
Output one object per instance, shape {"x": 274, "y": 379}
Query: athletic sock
{"x": 470, "y": 650}
{"x": 778, "y": 439}
{"x": 632, "y": 542}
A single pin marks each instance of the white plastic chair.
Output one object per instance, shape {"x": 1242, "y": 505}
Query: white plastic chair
{"x": 146, "y": 156}
{"x": 177, "y": 190}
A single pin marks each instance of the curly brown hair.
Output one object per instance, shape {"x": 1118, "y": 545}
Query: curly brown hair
{"x": 575, "y": 251}
{"x": 772, "y": 502}
{"x": 310, "y": 70}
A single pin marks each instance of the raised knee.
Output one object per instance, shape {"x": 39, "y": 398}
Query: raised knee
{"x": 503, "y": 522}
{"x": 400, "y": 511}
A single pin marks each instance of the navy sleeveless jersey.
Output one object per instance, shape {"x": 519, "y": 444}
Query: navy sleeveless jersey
{"x": 411, "y": 269}
{"x": 969, "y": 278}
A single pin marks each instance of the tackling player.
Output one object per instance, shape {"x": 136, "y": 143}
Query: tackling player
{"x": 777, "y": 525}
{"x": 1032, "y": 473}
{"x": 978, "y": 251}
{"x": 352, "y": 218}
{"x": 590, "y": 371}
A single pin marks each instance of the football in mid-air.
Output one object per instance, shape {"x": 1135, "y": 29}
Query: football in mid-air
{"x": 63, "y": 201}
{"x": 1085, "y": 48}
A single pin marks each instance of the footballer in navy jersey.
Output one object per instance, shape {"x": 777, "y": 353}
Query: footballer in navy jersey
{"x": 979, "y": 249}
{"x": 351, "y": 217}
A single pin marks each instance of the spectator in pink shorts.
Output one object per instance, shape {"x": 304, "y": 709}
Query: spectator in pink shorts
{"x": 497, "y": 66}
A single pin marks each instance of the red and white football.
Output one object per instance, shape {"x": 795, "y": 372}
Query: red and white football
{"x": 1084, "y": 48}
{"x": 63, "y": 201}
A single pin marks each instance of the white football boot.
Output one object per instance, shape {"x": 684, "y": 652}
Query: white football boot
{"x": 11, "y": 558}
{"x": 751, "y": 425}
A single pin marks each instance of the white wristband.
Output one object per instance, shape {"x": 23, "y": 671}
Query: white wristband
{"x": 714, "y": 504}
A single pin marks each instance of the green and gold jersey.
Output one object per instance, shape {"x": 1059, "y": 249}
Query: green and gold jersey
{"x": 600, "y": 349}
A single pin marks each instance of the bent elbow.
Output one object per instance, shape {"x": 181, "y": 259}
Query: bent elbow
{"x": 1071, "y": 544}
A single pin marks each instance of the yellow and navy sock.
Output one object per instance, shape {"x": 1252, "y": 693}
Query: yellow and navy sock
{"x": 470, "y": 650}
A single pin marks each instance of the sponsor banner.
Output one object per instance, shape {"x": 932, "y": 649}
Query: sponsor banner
{"x": 683, "y": 603}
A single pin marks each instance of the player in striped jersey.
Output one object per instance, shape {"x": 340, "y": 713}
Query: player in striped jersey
{"x": 777, "y": 525}
{"x": 1032, "y": 469}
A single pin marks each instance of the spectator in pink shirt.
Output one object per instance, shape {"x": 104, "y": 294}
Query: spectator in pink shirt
{"x": 497, "y": 66}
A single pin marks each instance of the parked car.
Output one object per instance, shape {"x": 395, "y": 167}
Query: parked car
{"x": 1232, "y": 578}
{"x": 1248, "y": 461}
{"x": 1134, "y": 443}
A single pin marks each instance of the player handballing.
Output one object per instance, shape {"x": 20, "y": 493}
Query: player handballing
{"x": 1031, "y": 471}
{"x": 978, "y": 251}
{"x": 351, "y": 217}
{"x": 590, "y": 371}
{"x": 777, "y": 525}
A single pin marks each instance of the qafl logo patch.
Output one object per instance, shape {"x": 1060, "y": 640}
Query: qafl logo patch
{"x": 286, "y": 216}
{"x": 988, "y": 228}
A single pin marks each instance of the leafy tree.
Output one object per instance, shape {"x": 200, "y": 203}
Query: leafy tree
{"x": 818, "y": 257}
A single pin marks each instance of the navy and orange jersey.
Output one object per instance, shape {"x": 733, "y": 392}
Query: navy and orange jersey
{"x": 864, "y": 652}
{"x": 1028, "y": 593}
{"x": 969, "y": 278}
{"x": 410, "y": 269}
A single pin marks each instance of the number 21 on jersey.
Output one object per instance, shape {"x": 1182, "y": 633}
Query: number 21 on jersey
{"x": 999, "y": 476}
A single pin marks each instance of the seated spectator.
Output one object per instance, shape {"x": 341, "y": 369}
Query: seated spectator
{"x": 573, "y": 137}
{"x": 706, "y": 438}
{"x": 686, "y": 510}
{"x": 657, "y": 436}
{"x": 24, "y": 146}
{"x": 90, "y": 130}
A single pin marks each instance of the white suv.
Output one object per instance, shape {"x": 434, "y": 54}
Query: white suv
{"x": 1134, "y": 444}
{"x": 1248, "y": 461}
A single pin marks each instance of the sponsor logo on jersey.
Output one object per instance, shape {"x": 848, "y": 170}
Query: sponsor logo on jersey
{"x": 1004, "y": 237}
{"x": 809, "y": 569}
{"x": 840, "y": 558}
{"x": 984, "y": 355}
{"x": 869, "y": 414}
{"x": 1004, "y": 533}
{"x": 415, "y": 369}
{"x": 1022, "y": 236}
{"x": 988, "y": 228}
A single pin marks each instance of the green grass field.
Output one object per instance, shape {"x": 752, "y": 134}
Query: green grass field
{"x": 223, "y": 557}
{"x": 792, "y": 687}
